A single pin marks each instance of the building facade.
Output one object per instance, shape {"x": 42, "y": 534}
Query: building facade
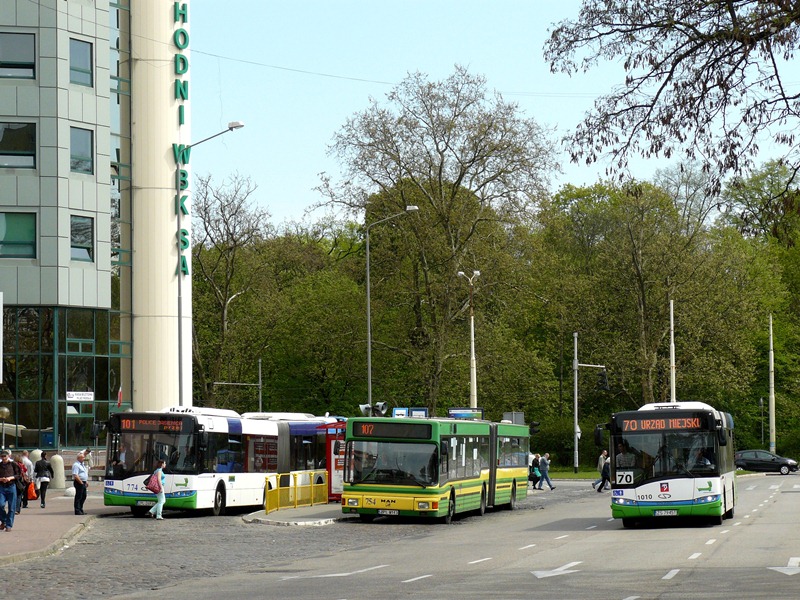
{"x": 94, "y": 214}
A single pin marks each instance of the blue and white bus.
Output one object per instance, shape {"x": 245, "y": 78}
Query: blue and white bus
{"x": 216, "y": 458}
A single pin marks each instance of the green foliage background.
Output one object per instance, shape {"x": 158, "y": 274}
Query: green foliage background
{"x": 603, "y": 261}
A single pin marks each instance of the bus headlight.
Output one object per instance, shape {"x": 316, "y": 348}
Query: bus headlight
{"x": 352, "y": 502}
{"x": 425, "y": 505}
{"x": 624, "y": 502}
{"x": 707, "y": 499}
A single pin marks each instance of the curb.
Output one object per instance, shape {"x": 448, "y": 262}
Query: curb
{"x": 55, "y": 547}
{"x": 252, "y": 518}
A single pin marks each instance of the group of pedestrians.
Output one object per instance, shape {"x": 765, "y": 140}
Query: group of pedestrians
{"x": 539, "y": 471}
{"x": 17, "y": 473}
{"x": 604, "y": 469}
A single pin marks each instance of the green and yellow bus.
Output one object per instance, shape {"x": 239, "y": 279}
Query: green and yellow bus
{"x": 419, "y": 467}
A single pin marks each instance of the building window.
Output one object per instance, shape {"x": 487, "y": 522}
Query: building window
{"x": 17, "y": 55}
{"x": 82, "y": 238}
{"x": 17, "y": 235}
{"x": 80, "y": 62}
{"x": 81, "y": 158}
{"x": 18, "y": 145}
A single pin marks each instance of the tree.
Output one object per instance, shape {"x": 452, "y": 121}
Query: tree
{"x": 703, "y": 79}
{"x": 470, "y": 162}
{"x": 623, "y": 253}
{"x": 228, "y": 236}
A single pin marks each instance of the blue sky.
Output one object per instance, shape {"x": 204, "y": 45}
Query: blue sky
{"x": 294, "y": 71}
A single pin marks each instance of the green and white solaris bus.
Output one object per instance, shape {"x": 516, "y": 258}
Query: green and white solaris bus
{"x": 671, "y": 460}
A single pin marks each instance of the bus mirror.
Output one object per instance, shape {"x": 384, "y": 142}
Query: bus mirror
{"x": 723, "y": 439}
{"x": 337, "y": 447}
{"x": 598, "y": 435}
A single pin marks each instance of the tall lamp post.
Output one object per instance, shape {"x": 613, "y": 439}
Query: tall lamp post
{"x": 4, "y": 414}
{"x": 181, "y": 184}
{"x": 409, "y": 208}
{"x": 473, "y": 376}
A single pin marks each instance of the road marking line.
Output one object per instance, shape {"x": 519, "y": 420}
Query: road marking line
{"x": 632, "y": 598}
{"x": 695, "y": 555}
{"x": 416, "y": 579}
{"x": 724, "y": 531}
{"x": 711, "y": 541}
{"x": 561, "y": 537}
{"x": 671, "y": 574}
{"x": 528, "y": 546}
{"x": 591, "y": 527}
{"x": 480, "y": 560}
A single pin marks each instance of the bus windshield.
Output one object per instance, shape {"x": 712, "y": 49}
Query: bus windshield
{"x": 641, "y": 457}
{"x": 399, "y": 463}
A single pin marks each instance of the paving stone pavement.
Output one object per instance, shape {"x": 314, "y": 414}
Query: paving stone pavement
{"x": 118, "y": 554}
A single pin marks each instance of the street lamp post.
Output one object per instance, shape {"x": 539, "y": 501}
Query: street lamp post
{"x": 181, "y": 184}
{"x": 4, "y": 414}
{"x": 409, "y": 208}
{"x": 473, "y": 375}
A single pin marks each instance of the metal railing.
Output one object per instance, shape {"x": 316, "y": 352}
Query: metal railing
{"x": 292, "y": 490}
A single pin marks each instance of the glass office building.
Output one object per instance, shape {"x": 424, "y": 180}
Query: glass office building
{"x": 93, "y": 104}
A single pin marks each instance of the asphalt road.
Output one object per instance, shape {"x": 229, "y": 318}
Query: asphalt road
{"x": 559, "y": 545}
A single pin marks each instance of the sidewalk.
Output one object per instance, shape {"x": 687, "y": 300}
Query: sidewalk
{"x": 43, "y": 531}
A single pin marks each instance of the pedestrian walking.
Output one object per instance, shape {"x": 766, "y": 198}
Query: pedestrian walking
{"x": 43, "y": 472}
{"x": 161, "y": 496}
{"x": 601, "y": 460}
{"x": 29, "y": 472}
{"x": 544, "y": 471}
{"x": 80, "y": 481}
{"x": 22, "y": 484}
{"x": 605, "y": 475}
{"x": 533, "y": 470}
{"x": 9, "y": 474}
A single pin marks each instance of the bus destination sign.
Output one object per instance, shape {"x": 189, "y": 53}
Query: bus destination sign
{"x": 392, "y": 429}
{"x": 643, "y": 424}
{"x": 157, "y": 424}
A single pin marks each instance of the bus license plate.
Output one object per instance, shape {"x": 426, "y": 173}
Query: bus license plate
{"x": 665, "y": 513}
{"x": 145, "y": 503}
{"x": 391, "y": 513}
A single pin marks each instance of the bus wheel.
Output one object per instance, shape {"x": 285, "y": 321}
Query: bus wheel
{"x": 512, "y": 502}
{"x": 139, "y": 511}
{"x": 451, "y": 509}
{"x": 628, "y": 523}
{"x": 366, "y": 518}
{"x": 219, "y": 501}
{"x": 482, "y": 509}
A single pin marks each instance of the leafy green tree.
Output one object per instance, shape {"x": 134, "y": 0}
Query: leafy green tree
{"x": 227, "y": 261}
{"x": 470, "y": 162}
{"x": 703, "y": 80}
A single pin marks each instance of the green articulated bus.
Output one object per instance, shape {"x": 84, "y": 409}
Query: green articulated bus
{"x": 420, "y": 467}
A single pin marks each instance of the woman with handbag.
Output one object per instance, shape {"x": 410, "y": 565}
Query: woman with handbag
{"x": 156, "y": 485}
{"x": 43, "y": 472}
{"x": 22, "y": 483}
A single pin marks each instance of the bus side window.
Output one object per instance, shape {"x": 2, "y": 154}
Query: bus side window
{"x": 443, "y": 458}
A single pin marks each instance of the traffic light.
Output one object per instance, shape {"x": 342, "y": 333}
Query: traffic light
{"x": 602, "y": 380}
{"x": 534, "y": 427}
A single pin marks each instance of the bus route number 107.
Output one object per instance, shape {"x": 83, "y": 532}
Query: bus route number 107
{"x": 624, "y": 477}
